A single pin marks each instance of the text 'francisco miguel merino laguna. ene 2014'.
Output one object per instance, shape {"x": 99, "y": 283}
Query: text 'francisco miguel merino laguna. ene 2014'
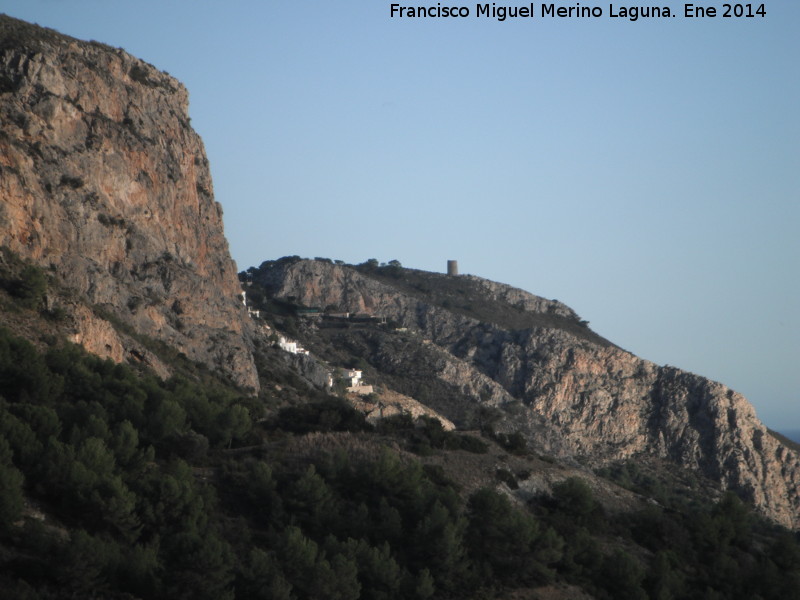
{"x": 632, "y": 13}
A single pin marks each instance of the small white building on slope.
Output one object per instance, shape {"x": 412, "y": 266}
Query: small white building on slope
{"x": 355, "y": 385}
{"x": 291, "y": 346}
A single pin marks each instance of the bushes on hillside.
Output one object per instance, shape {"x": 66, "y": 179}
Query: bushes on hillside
{"x": 151, "y": 492}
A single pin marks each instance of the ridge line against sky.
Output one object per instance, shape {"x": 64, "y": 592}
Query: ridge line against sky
{"x": 645, "y": 173}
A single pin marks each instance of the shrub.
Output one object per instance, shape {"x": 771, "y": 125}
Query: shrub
{"x": 329, "y": 415}
{"x": 11, "y": 498}
{"x": 30, "y": 287}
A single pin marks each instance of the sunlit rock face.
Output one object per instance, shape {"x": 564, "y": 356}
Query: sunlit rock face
{"x": 104, "y": 182}
{"x": 573, "y": 393}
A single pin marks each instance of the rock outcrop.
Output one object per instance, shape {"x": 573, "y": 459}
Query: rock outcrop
{"x": 104, "y": 182}
{"x": 389, "y": 404}
{"x": 550, "y": 373}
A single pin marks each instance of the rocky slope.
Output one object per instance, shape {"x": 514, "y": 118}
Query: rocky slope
{"x": 104, "y": 182}
{"x": 469, "y": 342}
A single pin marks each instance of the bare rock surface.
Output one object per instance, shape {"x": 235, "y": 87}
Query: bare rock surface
{"x": 389, "y": 403}
{"x": 104, "y": 182}
{"x": 575, "y": 395}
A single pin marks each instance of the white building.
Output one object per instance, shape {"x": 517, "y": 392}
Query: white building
{"x": 291, "y": 346}
{"x": 356, "y": 386}
{"x": 353, "y": 377}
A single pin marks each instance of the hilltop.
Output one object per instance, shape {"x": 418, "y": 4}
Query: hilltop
{"x": 462, "y": 344}
{"x": 106, "y": 186}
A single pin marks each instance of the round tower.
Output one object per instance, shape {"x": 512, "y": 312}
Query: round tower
{"x": 452, "y": 267}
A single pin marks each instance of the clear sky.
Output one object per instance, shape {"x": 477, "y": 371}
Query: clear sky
{"x": 645, "y": 173}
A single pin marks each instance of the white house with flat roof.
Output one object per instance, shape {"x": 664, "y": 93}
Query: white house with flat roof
{"x": 356, "y": 386}
{"x": 291, "y": 346}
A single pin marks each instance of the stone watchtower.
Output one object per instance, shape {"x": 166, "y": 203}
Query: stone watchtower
{"x": 452, "y": 267}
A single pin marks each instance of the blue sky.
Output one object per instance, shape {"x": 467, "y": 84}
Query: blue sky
{"x": 645, "y": 173}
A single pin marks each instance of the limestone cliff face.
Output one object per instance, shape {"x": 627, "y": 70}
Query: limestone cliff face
{"x": 103, "y": 181}
{"x": 604, "y": 403}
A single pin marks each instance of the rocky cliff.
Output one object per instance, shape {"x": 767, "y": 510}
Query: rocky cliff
{"x": 459, "y": 343}
{"x": 104, "y": 182}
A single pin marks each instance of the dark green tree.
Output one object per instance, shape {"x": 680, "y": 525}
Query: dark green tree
{"x": 11, "y": 481}
{"x": 31, "y": 286}
{"x": 261, "y": 578}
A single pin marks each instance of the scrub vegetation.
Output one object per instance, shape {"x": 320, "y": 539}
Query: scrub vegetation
{"x": 116, "y": 484}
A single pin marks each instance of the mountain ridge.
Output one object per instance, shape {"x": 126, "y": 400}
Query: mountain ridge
{"x": 106, "y": 185}
{"x": 574, "y": 394}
